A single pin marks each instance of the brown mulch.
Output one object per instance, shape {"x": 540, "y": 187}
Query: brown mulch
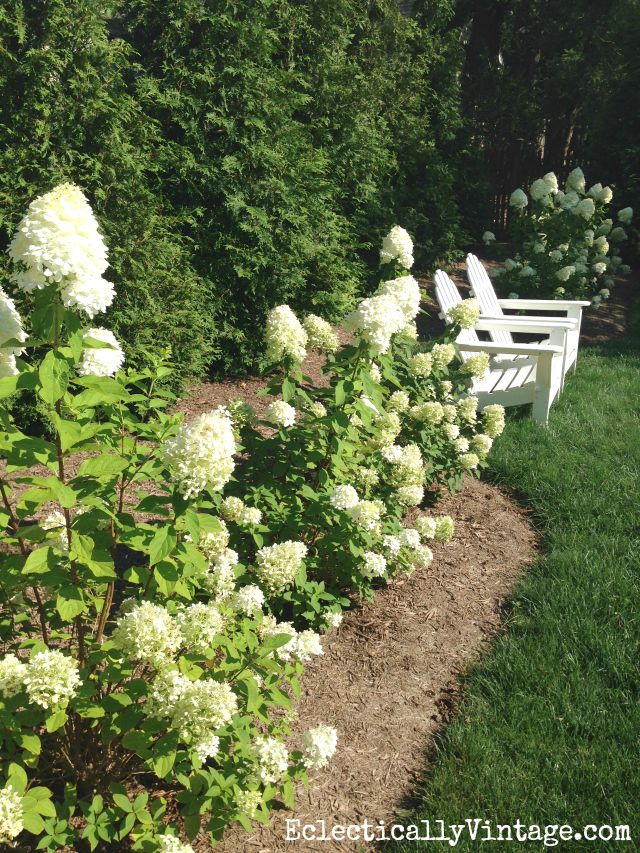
{"x": 388, "y": 679}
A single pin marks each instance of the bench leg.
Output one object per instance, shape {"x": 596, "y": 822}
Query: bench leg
{"x": 544, "y": 393}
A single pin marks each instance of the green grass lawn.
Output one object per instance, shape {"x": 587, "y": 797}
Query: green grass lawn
{"x": 549, "y": 730}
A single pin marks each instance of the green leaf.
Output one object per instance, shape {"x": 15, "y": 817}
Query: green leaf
{"x": 54, "y": 377}
{"x": 17, "y": 778}
{"x": 105, "y": 465}
{"x": 8, "y": 386}
{"x": 162, "y": 544}
{"x": 56, "y": 721}
{"x": 30, "y": 743}
{"x": 39, "y": 561}
{"x": 33, "y": 823}
{"x": 164, "y": 755}
{"x": 70, "y": 602}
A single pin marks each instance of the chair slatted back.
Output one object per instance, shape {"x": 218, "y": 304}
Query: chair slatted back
{"x": 482, "y": 289}
{"x": 448, "y": 296}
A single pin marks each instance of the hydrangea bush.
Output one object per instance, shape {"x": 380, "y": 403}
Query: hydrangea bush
{"x": 568, "y": 243}
{"x": 164, "y": 583}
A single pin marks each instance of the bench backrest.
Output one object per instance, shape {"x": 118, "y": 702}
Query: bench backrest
{"x": 482, "y": 289}
{"x": 448, "y": 296}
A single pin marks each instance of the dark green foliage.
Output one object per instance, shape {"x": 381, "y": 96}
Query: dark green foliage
{"x": 66, "y": 113}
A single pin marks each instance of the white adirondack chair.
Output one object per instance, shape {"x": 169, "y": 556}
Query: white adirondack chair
{"x": 534, "y": 375}
{"x": 490, "y": 305}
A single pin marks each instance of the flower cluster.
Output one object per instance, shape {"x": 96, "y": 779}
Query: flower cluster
{"x": 344, "y": 497}
{"x": 281, "y": 414}
{"x": 235, "y": 509}
{"x": 148, "y": 633}
{"x": 199, "y": 624}
{"x": 11, "y": 331}
{"x": 493, "y": 420}
{"x": 101, "y": 361}
{"x": 58, "y": 242}
{"x": 271, "y": 757}
{"x": 318, "y": 746}
{"x": 397, "y": 246}
{"x": 377, "y": 319}
{"x": 11, "y": 815}
{"x": 277, "y": 565}
{"x": 200, "y": 456}
{"x": 12, "y": 676}
{"x": 172, "y": 844}
{"x": 565, "y": 236}
{"x": 320, "y": 334}
{"x": 284, "y": 335}
{"x": 51, "y": 679}
{"x": 465, "y": 314}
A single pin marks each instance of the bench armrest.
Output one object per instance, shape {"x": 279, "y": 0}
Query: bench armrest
{"x": 542, "y": 304}
{"x": 510, "y": 349}
{"x": 523, "y": 324}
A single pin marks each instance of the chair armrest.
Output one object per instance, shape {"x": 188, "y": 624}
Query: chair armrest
{"x": 510, "y": 349}
{"x": 523, "y": 324}
{"x": 542, "y": 304}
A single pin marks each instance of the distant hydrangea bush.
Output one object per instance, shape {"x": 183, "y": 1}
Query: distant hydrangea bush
{"x": 173, "y": 577}
{"x": 566, "y": 242}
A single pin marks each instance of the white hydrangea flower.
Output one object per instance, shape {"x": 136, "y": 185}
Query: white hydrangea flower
{"x": 213, "y": 543}
{"x": 449, "y": 411}
{"x": 318, "y": 746}
{"x": 477, "y": 365}
{"x": 54, "y": 523}
{"x": 51, "y": 679}
{"x": 199, "y": 624}
{"x": 421, "y": 364}
{"x": 148, "y": 633}
{"x": 103, "y": 361}
{"x": 220, "y": 580}
{"x": 235, "y": 509}
{"x": 375, "y": 565}
{"x": 248, "y": 599}
{"x": 585, "y": 208}
{"x": 166, "y": 688}
{"x": 596, "y": 300}
{"x": 625, "y": 215}
{"x": 285, "y": 335}
{"x": 320, "y": 334}
{"x": 202, "y": 707}
{"x": 565, "y": 273}
{"x": 365, "y": 514}
{"x": 511, "y": 265}
{"x": 172, "y": 844}
{"x": 241, "y": 412}
{"x": 527, "y": 271}
{"x": 481, "y": 444}
{"x": 569, "y": 201}
{"x": 452, "y": 431}
{"x": 11, "y": 815}
{"x": 281, "y": 414}
{"x": 344, "y": 497}
{"x": 605, "y": 293}
{"x": 576, "y": 181}
{"x": 367, "y": 478}
{"x": 306, "y": 645}
{"x": 407, "y": 464}
{"x": 618, "y": 235}
{"x": 333, "y": 619}
{"x": 8, "y": 366}
{"x": 409, "y": 538}
{"x": 442, "y": 355}
{"x": 431, "y": 412}
{"x": 488, "y": 238}
{"x": 12, "y": 676}
{"x": 469, "y": 461}
{"x": 272, "y": 758}
{"x": 277, "y": 565}
{"x": 248, "y": 802}
{"x": 422, "y": 557}
{"x": 604, "y": 228}
{"x": 374, "y": 370}
{"x": 445, "y": 528}
{"x": 426, "y": 526}
{"x": 465, "y": 313}
{"x": 317, "y": 409}
{"x": 518, "y": 199}
{"x": 406, "y": 291}
{"x": 200, "y": 456}
{"x": 555, "y": 255}
{"x": 410, "y": 495}
{"x": 467, "y": 408}
{"x": 397, "y": 246}
{"x": 10, "y": 329}
{"x": 270, "y": 627}
{"x": 398, "y": 402}
{"x": 58, "y": 241}
{"x": 539, "y": 189}
{"x": 389, "y": 426}
{"x": 539, "y": 247}
{"x": 391, "y": 544}
{"x": 599, "y": 268}
{"x": 461, "y": 444}
{"x": 551, "y": 181}
{"x": 377, "y": 319}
